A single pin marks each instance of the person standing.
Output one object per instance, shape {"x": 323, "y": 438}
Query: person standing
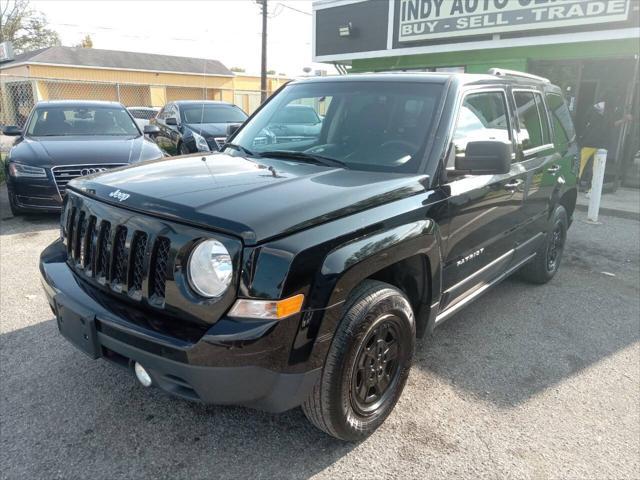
{"x": 601, "y": 131}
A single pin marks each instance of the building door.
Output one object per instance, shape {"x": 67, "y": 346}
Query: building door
{"x": 600, "y": 94}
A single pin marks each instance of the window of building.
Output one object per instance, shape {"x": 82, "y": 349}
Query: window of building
{"x": 456, "y": 69}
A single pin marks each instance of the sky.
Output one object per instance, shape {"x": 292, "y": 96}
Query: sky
{"x": 225, "y": 30}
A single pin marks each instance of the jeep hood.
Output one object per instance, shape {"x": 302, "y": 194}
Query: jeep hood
{"x": 252, "y": 199}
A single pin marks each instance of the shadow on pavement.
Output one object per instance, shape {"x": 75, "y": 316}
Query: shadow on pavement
{"x": 25, "y": 224}
{"x": 512, "y": 344}
{"x": 520, "y": 339}
{"x": 59, "y": 404}
{"x": 28, "y": 224}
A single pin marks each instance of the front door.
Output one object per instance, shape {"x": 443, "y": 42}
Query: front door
{"x": 483, "y": 209}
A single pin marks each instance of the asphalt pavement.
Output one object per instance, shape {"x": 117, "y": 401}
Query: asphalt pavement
{"x": 528, "y": 382}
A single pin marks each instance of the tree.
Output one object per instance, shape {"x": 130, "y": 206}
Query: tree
{"x": 25, "y": 27}
{"x": 237, "y": 69}
{"x": 86, "y": 42}
{"x": 271, "y": 72}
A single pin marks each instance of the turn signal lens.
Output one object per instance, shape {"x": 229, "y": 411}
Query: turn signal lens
{"x": 267, "y": 309}
{"x": 289, "y": 306}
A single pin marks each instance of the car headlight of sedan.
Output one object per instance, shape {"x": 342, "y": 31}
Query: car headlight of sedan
{"x": 201, "y": 143}
{"x": 27, "y": 171}
{"x": 210, "y": 269}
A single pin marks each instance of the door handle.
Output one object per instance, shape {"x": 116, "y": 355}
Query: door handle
{"x": 553, "y": 169}
{"x": 513, "y": 184}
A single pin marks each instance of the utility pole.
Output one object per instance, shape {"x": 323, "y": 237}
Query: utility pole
{"x": 263, "y": 73}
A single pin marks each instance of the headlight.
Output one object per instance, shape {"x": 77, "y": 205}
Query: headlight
{"x": 201, "y": 143}
{"x": 19, "y": 170}
{"x": 210, "y": 269}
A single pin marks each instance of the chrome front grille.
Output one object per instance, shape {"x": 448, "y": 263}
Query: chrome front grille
{"x": 117, "y": 266}
{"x": 159, "y": 268}
{"x": 89, "y": 246}
{"x": 140, "y": 259}
{"x": 120, "y": 260}
{"x": 103, "y": 251}
{"x": 136, "y": 274}
{"x": 65, "y": 173}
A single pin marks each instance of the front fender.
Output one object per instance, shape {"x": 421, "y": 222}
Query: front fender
{"x": 348, "y": 265}
{"x": 326, "y": 262}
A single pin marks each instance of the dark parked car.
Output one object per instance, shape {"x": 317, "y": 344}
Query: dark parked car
{"x": 192, "y": 126}
{"x": 63, "y": 140}
{"x": 303, "y": 275}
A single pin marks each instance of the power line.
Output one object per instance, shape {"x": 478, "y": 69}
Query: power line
{"x": 295, "y": 9}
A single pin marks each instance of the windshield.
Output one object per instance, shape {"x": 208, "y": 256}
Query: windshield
{"x": 77, "y": 120}
{"x": 204, "y": 113}
{"x": 365, "y": 125}
{"x": 297, "y": 114}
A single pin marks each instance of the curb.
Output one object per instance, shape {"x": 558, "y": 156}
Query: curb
{"x": 613, "y": 212}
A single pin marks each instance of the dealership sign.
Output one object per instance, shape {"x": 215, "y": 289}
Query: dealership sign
{"x": 421, "y": 20}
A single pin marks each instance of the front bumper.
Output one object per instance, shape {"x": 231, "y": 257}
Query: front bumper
{"x": 214, "y": 369}
{"x": 35, "y": 194}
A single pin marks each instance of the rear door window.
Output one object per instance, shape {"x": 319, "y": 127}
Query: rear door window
{"x": 532, "y": 120}
{"x": 563, "y": 131}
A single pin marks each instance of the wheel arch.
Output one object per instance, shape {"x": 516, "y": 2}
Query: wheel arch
{"x": 568, "y": 201}
{"x": 407, "y": 257}
{"x": 412, "y": 276}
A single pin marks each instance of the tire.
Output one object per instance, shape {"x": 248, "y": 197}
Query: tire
{"x": 547, "y": 260}
{"x": 345, "y": 403}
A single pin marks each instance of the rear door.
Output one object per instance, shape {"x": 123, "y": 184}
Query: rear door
{"x": 564, "y": 137}
{"x": 484, "y": 209}
{"x": 538, "y": 160}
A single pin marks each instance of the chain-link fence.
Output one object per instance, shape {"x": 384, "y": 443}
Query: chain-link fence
{"x": 18, "y": 95}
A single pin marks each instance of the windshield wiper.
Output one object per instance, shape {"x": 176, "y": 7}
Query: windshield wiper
{"x": 305, "y": 157}
{"x": 240, "y": 148}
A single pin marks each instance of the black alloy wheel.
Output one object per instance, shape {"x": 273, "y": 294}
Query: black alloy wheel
{"x": 367, "y": 365}
{"x": 555, "y": 246}
{"x": 376, "y": 369}
{"x": 546, "y": 262}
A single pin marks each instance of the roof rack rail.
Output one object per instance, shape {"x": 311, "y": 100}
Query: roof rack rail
{"x": 501, "y": 72}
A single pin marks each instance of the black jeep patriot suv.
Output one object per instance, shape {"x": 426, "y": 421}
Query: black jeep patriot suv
{"x": 299, "y": 271}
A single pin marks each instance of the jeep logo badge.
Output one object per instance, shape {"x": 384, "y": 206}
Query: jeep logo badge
{"x": 121, "y": 196}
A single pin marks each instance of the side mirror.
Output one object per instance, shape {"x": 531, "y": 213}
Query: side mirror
{"x": 491, "y": 157}
{"x": 171, "y": 121}
{"x": 151, "y": 130}
{"x": 233, "y": 128}
{"x": 12, "y": 131}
